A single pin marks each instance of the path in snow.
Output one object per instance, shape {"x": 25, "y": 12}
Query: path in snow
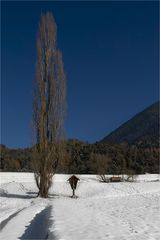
{"x": 38, "y": 228}
{"x": 4, "y": 222}
{"x": 17, "y": 226}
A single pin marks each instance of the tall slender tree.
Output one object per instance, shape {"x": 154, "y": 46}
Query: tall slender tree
{"x": 48, "y": 105}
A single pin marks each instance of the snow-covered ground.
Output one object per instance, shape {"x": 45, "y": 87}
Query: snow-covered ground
{"x": 117, "y": 211}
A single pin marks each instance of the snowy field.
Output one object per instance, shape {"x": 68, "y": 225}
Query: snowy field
{"x": 117, "y": 211}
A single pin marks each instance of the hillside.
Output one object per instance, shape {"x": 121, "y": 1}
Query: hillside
{"x": 139, "y": 153}
{"x": 142, "y": 129}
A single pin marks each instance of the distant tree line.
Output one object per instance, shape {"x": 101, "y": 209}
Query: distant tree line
{"x": 84, "y": 158}
{"x": 111, "y": 158}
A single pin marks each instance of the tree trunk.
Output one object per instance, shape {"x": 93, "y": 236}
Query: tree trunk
{"x": 44, "y": 185}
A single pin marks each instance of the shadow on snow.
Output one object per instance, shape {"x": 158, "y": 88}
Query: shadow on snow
{"x": 11, "y": 195}
{"x": 39, "y": 226}
{"x": 4, "y": 222}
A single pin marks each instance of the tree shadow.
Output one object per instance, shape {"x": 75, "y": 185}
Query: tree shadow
{"x": 39, "y": 226}
{"x": 11, "y": 195}
{"x": 58, "y": 195}
{"x": 32, "y": 193}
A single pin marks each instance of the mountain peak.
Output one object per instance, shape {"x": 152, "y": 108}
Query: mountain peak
{"x": 142, "y": 128}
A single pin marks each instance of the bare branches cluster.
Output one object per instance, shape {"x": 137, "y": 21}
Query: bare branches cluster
{"x": 101, "y": 163}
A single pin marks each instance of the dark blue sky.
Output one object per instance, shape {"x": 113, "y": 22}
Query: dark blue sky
{"x": 110, "y": 52}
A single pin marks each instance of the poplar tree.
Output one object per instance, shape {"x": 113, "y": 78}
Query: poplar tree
{"x": 48, "y": 105}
